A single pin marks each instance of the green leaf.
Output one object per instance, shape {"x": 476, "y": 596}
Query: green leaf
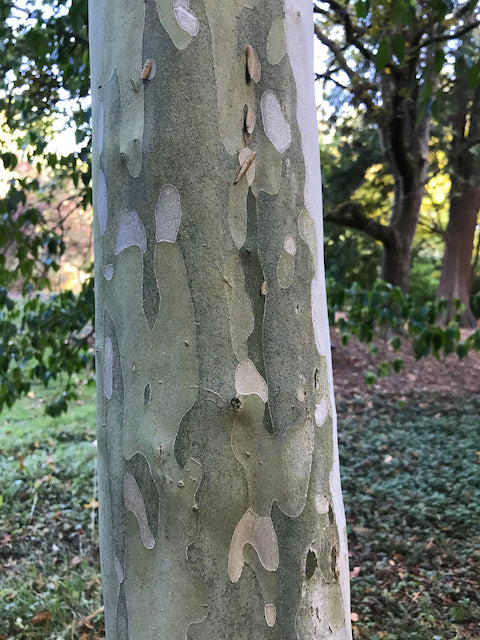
{"x": 398, "y": 46}
{"x": 383, "y": 54}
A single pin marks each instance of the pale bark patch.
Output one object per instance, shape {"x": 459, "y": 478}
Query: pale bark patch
{"x": 257, "y": 531}
{"x": 275, "y": 123}
{"x": 321, "y": 411}
{"x": 108, "y": 271}
{"x": 133, "y": 501}
{"x": 187, "y": 20}
{"x": 290, "y": 245}
{"x": 168, "y": 214}
{"x": 131, "y": 232}
{"x": 118, "y": 569}
{"x": 250, "y": 120}
{"x": 248, "y": 381}
{"x": 270, "y": 614}
{"x": 108, "y": 369}
{"x": 102, "y": 201}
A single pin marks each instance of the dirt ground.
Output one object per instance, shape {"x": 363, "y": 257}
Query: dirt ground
{"x": 449, "y": 376}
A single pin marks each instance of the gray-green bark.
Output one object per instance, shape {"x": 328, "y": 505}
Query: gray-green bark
{"x": 220, "y": 506}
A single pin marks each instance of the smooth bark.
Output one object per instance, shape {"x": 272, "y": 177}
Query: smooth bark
{"x": 221, "y": 513}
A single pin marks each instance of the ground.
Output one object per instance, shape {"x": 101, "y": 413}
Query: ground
{"x": 410, "y": 476}
{"x": 450, "y": 376}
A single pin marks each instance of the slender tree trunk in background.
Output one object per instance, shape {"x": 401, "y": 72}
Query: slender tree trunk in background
{"x": 464, "y": 169}
{"x": 220, "y": 506}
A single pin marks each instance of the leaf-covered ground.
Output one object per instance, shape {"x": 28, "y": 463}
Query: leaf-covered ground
{"x": 411, "y": 479}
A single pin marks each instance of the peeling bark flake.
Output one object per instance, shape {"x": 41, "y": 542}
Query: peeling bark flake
{"x": 254, "y": 68}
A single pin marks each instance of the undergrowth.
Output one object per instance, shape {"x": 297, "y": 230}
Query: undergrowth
{"x": 411, "y": 481}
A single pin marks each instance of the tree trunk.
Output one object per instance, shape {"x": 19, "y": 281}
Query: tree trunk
{"x": 456, "y": 278}
{"x": 406, "y": 143}
{"x": 221, "y": 513}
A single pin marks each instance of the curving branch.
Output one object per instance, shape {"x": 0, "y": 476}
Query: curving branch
{"x": 350, "y": 214}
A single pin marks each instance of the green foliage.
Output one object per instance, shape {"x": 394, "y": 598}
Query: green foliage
{"x": 383, "y": 309}
{"x": 412, "y": 493}
{"x": 43, "y": 340}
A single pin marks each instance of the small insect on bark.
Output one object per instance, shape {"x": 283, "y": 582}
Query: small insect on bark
{"x": 147, "y": 67}
{"x": 245, "y": 166}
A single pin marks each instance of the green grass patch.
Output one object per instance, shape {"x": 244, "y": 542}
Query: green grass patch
{"x": 49, "y": 570}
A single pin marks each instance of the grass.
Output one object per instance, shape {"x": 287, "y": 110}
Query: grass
{"x": 411, "y": 480}
{"x": 49, "y": 570}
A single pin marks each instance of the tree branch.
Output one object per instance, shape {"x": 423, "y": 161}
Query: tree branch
{"x": 350, "y": 214}
{"x": 359, "y": 87}
{"x": 450, "y": 36}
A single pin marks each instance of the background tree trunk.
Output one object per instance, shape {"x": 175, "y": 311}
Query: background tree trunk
{"x": 464, "y": 169}
{"x": 220, "y": 505}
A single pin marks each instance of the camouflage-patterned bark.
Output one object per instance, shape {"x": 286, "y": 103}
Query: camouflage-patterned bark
{"x": 220, "y": 505}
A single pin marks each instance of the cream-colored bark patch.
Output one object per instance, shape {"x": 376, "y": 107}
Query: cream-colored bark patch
{"x": 274, "y": 122}
{"x": 250, "y": 120}
{"x": 131, "y": 233}
{"x": 270, "y": 614}
{"x": 185, "y": 17}
{"x": 133, "y": 502}
{"x": 259, "y": 533}
{"x": 168, "y": 214}
{"x": 108, "y": 368}
{"x": 321, "y": 411}
{"x": 102, "y": 201}
{"x": 248, "y": 381}
{"x": 290, "y": 245}
{"x": 276, "y": 43}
